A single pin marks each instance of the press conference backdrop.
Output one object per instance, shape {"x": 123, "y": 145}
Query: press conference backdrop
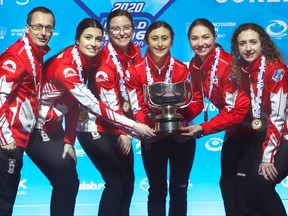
{"x": 204, "y": 196}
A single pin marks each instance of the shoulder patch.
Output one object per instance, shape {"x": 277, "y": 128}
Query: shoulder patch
{"x": 278, "y": 75}
{"x": 9, "y": 65}
{"x": 101, "y": 76}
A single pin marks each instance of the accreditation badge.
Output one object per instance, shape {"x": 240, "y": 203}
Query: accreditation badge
{"x": 256, "y": 124}
{"x": 126, "y": 106}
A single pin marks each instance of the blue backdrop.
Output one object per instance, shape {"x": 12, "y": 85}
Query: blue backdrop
{"x": 203, "y": 195}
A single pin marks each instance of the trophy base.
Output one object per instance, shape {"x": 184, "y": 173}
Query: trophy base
{"x": 169, "y": 128}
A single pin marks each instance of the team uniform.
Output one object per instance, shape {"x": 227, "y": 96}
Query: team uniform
{"x": 156, "y": 155}
{"x": 269, "y": 80}
{"x": 20, "y": 78}
{"x": 217, "y": 85}
{"x": 64, "y": 88}
{"x": 99, "y": 139}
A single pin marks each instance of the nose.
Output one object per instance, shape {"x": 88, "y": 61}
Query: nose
{"x": 160, "y": 42}
{"x": 200, "y": 42}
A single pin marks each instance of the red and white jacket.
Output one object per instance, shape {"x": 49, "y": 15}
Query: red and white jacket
{"x": 232, "y": 101}
{"x": 18, "y": 101}
{"x": 136, "y": 77}
{"x": 105, "y": 83}
{"x": 273, "y": 103}
{"x": 64, "y": 89}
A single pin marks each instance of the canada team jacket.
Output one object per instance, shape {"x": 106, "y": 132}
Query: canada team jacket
{"x": 105, "y": 82}
{"x": 18, "y": 102}
{"x": 273, "y": 103}
{"x": 136, "y": 77}
{"x": 231, "y": 101}
{"x": 64, "y": 88}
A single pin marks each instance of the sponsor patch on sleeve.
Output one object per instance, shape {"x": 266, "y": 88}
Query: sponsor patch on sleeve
{"x": 278, "y": 75}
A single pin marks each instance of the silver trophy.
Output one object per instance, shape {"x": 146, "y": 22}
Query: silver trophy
{"x": 165, "y": 99}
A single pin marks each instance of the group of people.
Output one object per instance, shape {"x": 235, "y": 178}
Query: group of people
{"x": 97, "y": 93}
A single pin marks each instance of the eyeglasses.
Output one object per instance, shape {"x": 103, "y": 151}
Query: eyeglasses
{"x": 127, "y": 29}
{"x": 39, "y": 27}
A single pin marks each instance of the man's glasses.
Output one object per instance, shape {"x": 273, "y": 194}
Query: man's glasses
{"x": 127, "y": 29}
{"x": 39, "y": 27}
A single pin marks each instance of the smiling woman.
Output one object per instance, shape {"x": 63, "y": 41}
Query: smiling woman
{"x": 111, "y": 151}
{"x": 158, "y": 65}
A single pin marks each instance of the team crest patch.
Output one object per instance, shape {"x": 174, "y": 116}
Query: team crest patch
{"x": 278, "y": 75}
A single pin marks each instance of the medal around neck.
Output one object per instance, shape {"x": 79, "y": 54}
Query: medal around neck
{"x": 256, "y": 124}
{"x": 167, "y": 98}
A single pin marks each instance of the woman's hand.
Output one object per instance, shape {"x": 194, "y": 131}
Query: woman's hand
{"x": 10, "y": 146}
{"x": 268, "y": 170}
{"x": 192, "y": 131}
{"x": 144, "y": 131}
{"x": 124, "y": 145}
{"x": 69, "y": 149}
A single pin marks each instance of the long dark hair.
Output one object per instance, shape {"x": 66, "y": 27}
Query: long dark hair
{"x": 84, "y": 24}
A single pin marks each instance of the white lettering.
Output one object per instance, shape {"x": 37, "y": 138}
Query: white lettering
{"x": 91, "y": 186}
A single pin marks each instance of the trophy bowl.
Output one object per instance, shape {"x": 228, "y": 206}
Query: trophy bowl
{"x": 164, "y": 99}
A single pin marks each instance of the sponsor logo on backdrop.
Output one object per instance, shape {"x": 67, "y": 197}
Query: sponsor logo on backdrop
{"x": 144, "y": 13}
{"x": 22, "y": 188}
{"x": 277, "y": 29}
{"x": 214, "y": 144}
{"x": 19, "y": 2}
{"x": 78, "y": 149}
{"x": 91, "y": 186}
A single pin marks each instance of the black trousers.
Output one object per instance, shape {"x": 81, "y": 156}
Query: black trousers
{"x": 237, "y": 158}
{"x": 11, "y": 163}
{"x": 62, "y": 173}
{"x": 156, "y": 157}
{"x": 265, "y": 193}
{"x": 117, "y": 172}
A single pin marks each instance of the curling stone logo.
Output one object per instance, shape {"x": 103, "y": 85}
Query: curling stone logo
{"x": 144, "y": 185}
{"x": 277, "y": 29}
{"x": 214, "y": 144}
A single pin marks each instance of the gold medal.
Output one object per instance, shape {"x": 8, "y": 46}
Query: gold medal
{"x": 126, "y": 106}
{"x": 83, "y": 116}
{"x": 256, "y": 124}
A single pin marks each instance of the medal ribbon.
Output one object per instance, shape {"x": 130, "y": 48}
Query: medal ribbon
{"x": 211, "y": 82}
{"x": 168, "y": 75}
{"x": 256, "y": 100}
{"x": 27, "y": 48}
{"x": 117, "y": 63}
{"x": 76, "y": 57}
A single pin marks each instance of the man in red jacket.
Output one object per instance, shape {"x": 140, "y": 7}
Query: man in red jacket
{"x": 20, "y": 85}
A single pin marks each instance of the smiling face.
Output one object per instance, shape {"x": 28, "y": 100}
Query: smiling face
{"x": 159, "y": 42}
{"x": 121, "y": 31}
{"x": 90, "y": 41}
{"x": 201, "y": 41}
{"x": 40, "y": 36}
{"x": 249, "y": 45}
